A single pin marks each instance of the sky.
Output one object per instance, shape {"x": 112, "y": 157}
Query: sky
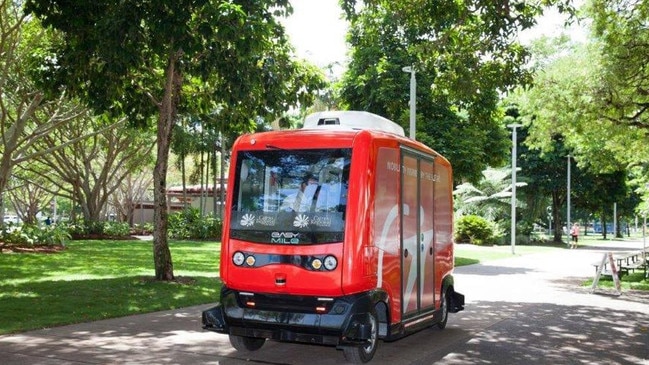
{"x": 317, "y": 31}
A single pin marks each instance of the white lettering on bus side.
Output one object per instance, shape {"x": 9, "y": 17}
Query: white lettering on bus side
{"x": 411, "y": 171}
{"x": 393, "y": 166}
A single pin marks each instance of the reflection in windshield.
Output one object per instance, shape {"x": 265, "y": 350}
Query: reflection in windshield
{"x": 290, "y": 196}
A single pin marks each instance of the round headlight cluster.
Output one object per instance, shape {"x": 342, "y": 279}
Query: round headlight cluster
{"x": 330, "y": 263}
{"x": 238, "y": 258}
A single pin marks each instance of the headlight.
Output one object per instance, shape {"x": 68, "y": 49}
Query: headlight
{"x": 316, "y": 264}
{"x": 250, "y": 260}
{"x": 238, "y": 258}
{"x": 330, "y": 263}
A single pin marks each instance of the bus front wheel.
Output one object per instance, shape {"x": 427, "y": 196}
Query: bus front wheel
{"x": 365, "y": 353}
{"x": 243, "y": 343}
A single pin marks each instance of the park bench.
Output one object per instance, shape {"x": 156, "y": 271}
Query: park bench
{"x": 626, "y": 262}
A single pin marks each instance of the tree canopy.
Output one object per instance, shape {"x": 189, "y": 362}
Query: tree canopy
{"x": 465, "y": 54}
{"x": 156, "y": 59}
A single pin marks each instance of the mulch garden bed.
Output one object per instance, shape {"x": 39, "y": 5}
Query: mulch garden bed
{"x": 11, "y": 248}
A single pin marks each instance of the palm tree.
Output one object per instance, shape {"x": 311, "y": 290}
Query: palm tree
{"x": 490, "y": 199}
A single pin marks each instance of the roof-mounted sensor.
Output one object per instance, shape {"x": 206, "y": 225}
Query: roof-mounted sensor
{"x": 351, "y": 120}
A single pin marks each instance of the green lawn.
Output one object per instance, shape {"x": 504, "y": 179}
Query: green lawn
{"x": 93, "y": 280}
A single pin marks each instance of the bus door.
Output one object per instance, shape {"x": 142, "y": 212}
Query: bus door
{"x": 417, "y": 251}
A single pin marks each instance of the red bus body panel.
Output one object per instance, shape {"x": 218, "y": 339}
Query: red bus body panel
{"x": 377, "y": 224}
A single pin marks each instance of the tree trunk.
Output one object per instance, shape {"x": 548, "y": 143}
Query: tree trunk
{"x": 556, "y": 216}
{"x": 161, "y": 253}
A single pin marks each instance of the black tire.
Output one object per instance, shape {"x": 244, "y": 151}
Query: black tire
{"x": 445, "y": 304}
{"x": 363, "y": 354}
{"x": 246, "y": 344}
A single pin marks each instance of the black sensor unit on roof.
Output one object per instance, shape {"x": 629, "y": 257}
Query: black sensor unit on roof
{"x": 328, "y": 121}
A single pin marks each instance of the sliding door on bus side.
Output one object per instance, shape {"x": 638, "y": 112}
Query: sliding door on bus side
{"x": 417, "y": 238}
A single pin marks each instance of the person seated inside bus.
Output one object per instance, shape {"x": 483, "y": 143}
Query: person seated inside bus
{"x": 303, "y": 198}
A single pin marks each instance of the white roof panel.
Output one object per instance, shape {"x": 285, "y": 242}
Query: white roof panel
{"x": 352, "y": 120}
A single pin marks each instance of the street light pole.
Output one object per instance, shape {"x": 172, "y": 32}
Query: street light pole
{"x": 514, "y": 153}
{"x": 568, "y": 202}
{"x": 413, "y": 99}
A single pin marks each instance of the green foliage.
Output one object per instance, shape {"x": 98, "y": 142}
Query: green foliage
{"x": 464, "y": 54}
{"x": 525, "y": 228}
{"x": 143, "y": 228}
{"x": 490, "y": 197}
{"x": 632, "y": 281}
{"x": 35, "y": 235}
{"x": 228, "y": 62}
{"x": 190, "y": 224}
{"x": 77, "y": 228}
{"x": 81, "y": 229}
{"x": 475, "y": 230}
{"x": 116, "y": 229}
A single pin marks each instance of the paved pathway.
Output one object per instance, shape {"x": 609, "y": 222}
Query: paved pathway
{"x": 520, "y": 310}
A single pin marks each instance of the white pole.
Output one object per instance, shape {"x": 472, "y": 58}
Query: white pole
{"x": 615, "y": 219}
{"x": 514, "y": 153}
{"x": 413, "y": 100}
{"x": 644, "y": 235}
{"x": 568, "y": 202}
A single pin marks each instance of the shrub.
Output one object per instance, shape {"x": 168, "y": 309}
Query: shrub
{"x": 83, "y": 230}
{"x": 30, "y": 234}
{"x": 475, "y": 230}
{"x": 142, "y": 228}
{"x": 77, "y": 228}
{"x": 190, "y": 224}
{"x": 117, "y": 229}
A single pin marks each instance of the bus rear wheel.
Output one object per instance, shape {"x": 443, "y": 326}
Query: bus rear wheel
{"x": 242, "y": 343}
{"x": 445, "y": 304}
{"x": 365, "y": 353}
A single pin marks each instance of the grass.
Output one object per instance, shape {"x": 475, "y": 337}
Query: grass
{"x": 93, "y": 280}
{"x": 634, "y": 281}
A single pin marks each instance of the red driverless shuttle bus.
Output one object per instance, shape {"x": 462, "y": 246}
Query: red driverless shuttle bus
{"x": 340, "y": 233}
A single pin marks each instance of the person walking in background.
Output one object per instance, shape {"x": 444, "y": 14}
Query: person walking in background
{"x": 574, "y": 235}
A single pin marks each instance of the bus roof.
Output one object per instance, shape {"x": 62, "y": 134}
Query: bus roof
{"x": 351, "y": 120}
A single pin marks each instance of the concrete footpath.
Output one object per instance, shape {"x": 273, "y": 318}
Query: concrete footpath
{"x": 519, "y": 310}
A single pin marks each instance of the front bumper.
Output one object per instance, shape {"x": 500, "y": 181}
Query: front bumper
{"x": 341, "y": 321}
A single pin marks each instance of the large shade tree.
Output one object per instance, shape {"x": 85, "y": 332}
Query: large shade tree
{"x": 565, "y": 119}
{"x": 91, "y": 167}
{"x": 26, "y": 115}
{"x": 156, "y": 59}
{"x": 596, "y": 95}
{"x": 465, "y": 54}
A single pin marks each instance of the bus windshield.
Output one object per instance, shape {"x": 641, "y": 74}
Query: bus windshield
{"x": 290, "y": 196}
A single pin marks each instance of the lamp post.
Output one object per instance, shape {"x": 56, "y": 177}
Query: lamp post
{"x": 568, "y": 202}
{"x": 644, "y": 232}
{"x": 514, "y": 153}
{"x": 644, "y": 236}
{"x": 413, "y": 99}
